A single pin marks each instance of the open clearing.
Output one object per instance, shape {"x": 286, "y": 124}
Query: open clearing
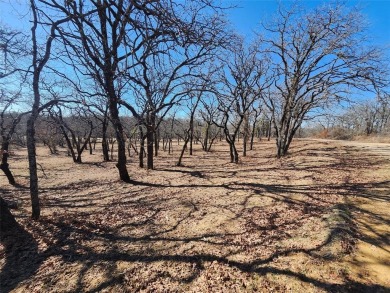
{"x": 315, "y": 221}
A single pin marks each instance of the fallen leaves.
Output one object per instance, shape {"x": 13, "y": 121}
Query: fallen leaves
{"x": 238, "y": 228}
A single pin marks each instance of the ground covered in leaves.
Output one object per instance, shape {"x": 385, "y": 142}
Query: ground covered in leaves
{"x": 315, "y": 221}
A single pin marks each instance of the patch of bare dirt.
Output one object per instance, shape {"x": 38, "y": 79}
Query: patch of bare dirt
{"x": 262, "y": 225}
{"x": 370, "y": 209}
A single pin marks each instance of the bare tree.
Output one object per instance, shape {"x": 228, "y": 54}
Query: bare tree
{"x": 103, "y": 117}
{"x": 160, "y": 79}
{"x": 77, "y": 130}
{"x": 48, "y": 132}
{"x": 383, "y": 101}
{"x": 40, "y": 56}
{"x": 367, "y": 117}
{"x": 95, "y": 38}
{"x": 242, "y": 83}
{"x": 8, "y": 123}
{"x": 317, "y": 57}
{"x": 122, "y": 43}
{"x": 209, "y": 113}
{"x": 12, "y": 49}
{"x": 193, "y": 103}
{"x": 255, "y": 113}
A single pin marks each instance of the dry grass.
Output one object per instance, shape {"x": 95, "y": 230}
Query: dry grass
{"x": 263, "y": 225}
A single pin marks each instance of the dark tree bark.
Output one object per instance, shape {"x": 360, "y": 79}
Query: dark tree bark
{"x": 191, "y": 133}
{"x": 90, "y": 144}
{"x": 141, "y": 153}
{"x": 253, "y": 133}
{"x": 256, "y": 114}
{"x": 206, "y": 137}
{"x": 245, "y": 134}
{"x": 187, "y": 138}
{"x": 105, "y": 148}
{"x": 99, "y": 44}
{"x": 32, "y": 162}
{"x": 30, "y": 133}
{"x": 231, "y": 140}
{"x": 6, "y": 138}
{"x": 110, "y": 57}
{"x": 156, "y": 142}
{"x": 4, "y": 166}
{"x": 38, "y": 63}
{"x": 150, "y": 136}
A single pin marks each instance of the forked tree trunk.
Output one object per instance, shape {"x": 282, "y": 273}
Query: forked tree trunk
{"x": 69, "y": 144}
{"x": 87, "y": 141}
{"x": 285, "y": 134}
{"x": 212, "y": 139}
{"x": 233, "y": 151}
{"x": 231, "y": 140}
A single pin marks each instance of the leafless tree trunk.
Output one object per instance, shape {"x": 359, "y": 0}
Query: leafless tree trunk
{"x": 39, "y": 61}
{"x": 6, "y": 133}
{"x": 79, "y": 138}
{"x": 105, "y": 148}
{"x": 245, "y": 134}
{"x": 99, "y": 45}
{"x": 150, "y": 137}
{"x": 189, "y": 133}
{"x": 243, "y": 81}
{"x": 186, "y": 139}
{"x": 256, "y": 113}
{"x": 315, "y": 62}
{"x": 141, "y": 153}
{"x": 209, "y": 114}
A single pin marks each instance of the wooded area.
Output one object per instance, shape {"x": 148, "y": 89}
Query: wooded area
{"x": 151, "y": 88}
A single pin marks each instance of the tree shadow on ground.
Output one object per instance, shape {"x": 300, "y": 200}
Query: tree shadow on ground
{"x": 146, "y": 234}
{"x": 22, "y": 259}
{"x": 73, "y": 235}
